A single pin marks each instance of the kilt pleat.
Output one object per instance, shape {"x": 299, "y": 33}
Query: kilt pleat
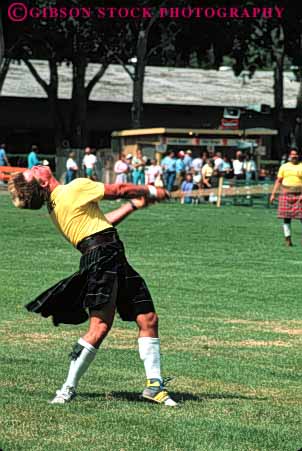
{"x": 63, "y": 301}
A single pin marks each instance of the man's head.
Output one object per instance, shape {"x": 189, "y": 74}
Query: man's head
{"x": 181, "y": 154}
{"x": 30, "y": 188}
{"x": 294, "y": 156}
{"x": 189, "y": 152}
{"x": 189, "y": 177}
{"x": 87, "y": 151}
{"x": 239, "y": 155}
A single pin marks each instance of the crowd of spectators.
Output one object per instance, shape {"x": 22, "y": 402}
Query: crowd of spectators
{"x": 179, "y": 170}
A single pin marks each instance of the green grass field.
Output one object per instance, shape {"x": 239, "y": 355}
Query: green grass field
{"x": 229, "y": 298}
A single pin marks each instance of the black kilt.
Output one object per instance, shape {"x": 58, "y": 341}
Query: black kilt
{"x": 101, "y": 269}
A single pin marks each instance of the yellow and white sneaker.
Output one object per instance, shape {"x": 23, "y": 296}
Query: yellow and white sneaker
{"x": 64, "y": 396}
{"x": 156, "y": 392}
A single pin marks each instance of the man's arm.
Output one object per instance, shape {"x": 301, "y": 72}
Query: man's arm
{"x": 275, "y": 189}
{"x": 130, "y": 191}
{"x": 119, "y": 214}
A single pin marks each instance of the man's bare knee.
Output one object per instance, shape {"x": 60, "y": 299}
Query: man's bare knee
{"x": 148, "y": 324}
{"x": 98, "y": 329}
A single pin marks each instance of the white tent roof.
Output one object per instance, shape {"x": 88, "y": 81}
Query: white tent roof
{"x": 162, "y": 85}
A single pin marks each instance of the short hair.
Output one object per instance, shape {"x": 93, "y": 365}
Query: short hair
{"x": 25, "y": 194}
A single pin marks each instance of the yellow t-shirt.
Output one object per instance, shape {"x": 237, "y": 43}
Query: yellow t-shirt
{"x": 291, "y": 174}
{"x": 75, "y": 211}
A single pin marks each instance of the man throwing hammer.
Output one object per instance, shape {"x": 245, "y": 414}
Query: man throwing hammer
{"x": 105, "y": 281}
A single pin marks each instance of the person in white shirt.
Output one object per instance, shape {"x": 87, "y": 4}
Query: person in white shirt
{"x": 154, "y": 173}
{"x": 121, "y": 169}
{"x": 218, "y": 162}
{"x": 197, "y": 164}
{"x": 71, "y": 168}
{"x": 238, "y": 166}
{"x": 250, "y": 168}
{"x": 88, "y": 163}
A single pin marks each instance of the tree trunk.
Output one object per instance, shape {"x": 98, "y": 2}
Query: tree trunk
{"x": 278, "y": 50}
{"x": 1, "y": 40}
{"x": 79, "y": 103}
{"x": 137, "y": 102}
{"x": 299, "y": 95}
{"x": 279, "y": 113}
{"x": 3, "y": 71}
{"x": 138, "y": 82}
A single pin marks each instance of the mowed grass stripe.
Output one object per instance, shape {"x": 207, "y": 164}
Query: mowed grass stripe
{"x": 228, "y": 294}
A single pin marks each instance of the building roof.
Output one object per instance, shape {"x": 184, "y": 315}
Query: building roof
{"x": 162, "y": 85}
{"x": 194, "y": 131}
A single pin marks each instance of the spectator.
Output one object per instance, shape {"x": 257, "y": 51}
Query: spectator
{"x": 32, "y": 158}
{"x": 180, "y": 167}
{"x": 129, "y": 159}
{"x": 188, "y": 160}
{"x": 3, "y": 158}
{"x": 250, "y": 168}
{"x": 154, "y": 173}
{"x": 238, "y": 166}
{"x": 218, "y": 162}
{"x": 227, "y": 168}
{"x": 187, "y": 186}
{"x": 88, "y": 164}
{"x": 71, "y": 168}
{"x": 168, "y": 165}
{"x": 121, "y": 169}
{"x": 138, "y": 172}
{"x": 197, "y": 164}
{"x": 207, "y": 172}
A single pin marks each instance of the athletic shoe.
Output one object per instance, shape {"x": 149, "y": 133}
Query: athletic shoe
{"x": 156, "y": 392}
{"x": 288, "y": 241}
{"x": 64, "y": 395}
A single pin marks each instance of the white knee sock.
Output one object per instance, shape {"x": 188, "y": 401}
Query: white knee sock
{"x": 82, "y": 356}
{"x": 286, "y": 230}
{"x": 149, "y": 351}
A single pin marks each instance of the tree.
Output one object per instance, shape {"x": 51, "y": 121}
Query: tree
{"x": 141, "y": 42}
{"x": 77, "y": 41}
{"x": 1, "y": 40}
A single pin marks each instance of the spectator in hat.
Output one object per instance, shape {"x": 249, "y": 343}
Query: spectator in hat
{"x": 138, "y": 172}
{"x": 129, "y": 158}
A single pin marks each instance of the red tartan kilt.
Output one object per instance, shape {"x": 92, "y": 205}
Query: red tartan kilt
{"x": 290, "y": 206}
